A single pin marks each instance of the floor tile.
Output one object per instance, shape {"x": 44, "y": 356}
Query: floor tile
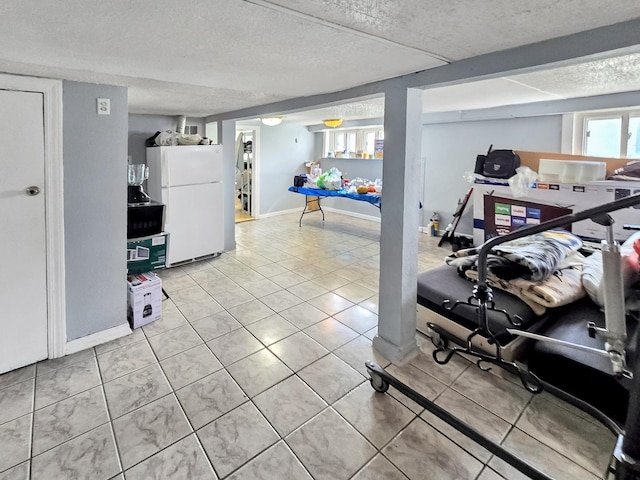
{"x": 48, "y": 366}
{"x": 488, "y": 474}
{"x": 357, "y": 318}
{"x": 278, "y": 462}
{"x": 289, "y": 404}
{"x": 250, "y": 312}
{"x": 358, "y": 351}
{"x": 68, "y": 418}
{"x": 288, "y": 279}
{"x": 135, "y": 336}
{"x": 236, "y": 437}
{"x": 234, "y": 346}
{"x": 261, "y": 287}
{"x": 496, "y": 394}
{"x": 477, "y": 417}
{"x": 586, "y": 443}
{"x": 354, "y": 292}
{"x": 329, "y": 447}
{"x": 271, "y": 329}
{"x": 175, "y": 341}
{"x": 540, "y": 456}
{"x": 330, "y": 303}
{"x": 91, "y": 455}
{"x": 270, "y": 269}
{"x": 17, "y": 376}
{"x": 66, "y": 381}
{"x": 214, "y": 326}
{"x": 172, "y": 285}
{"x": 307, "y": 290}
{"x": 371, "y": 304}
{"x": 330, "y": 333}
{"x": 281, "y": 300}
{"x": 233, "y": 298}
{"x": 182, "y": 460}
{"x": 135, "y": 390}
{"x": 15, "y": 438}
{"x": 207, "y": 275}
{"x": 189, "y": 295}
{"x": 16, "y": 400}
{"x": 331, "y": 281}
{"x": 377, "y": 416}
{"x": 117, "y": 363}
{"x": 445, "y": 373}
{"x": 331, "y": 378}
{"x": 209, "y": 398}
{"x": 370, "y": 334}
{"x": 149, "y": 429}
{"x": 196, "y": 310}
{"x": 421, "y": 382}
{"x": 19, "y": 472}
{"x": 170, "y": 319}
{"x": 303, "y": 315}
{"x": 189, "y": 366}
{"x": 379, "y": 469}
{"x": 419, "y": 448}
{"x": 298, "y": 351}
{"x": 258, "y": 371}
{"x": 218, "y": 287}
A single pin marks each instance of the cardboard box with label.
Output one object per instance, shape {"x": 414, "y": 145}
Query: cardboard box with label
{"x": 144, "y": 299}
{"x": 147, "y": 253}
{"x": 545, "y": 201}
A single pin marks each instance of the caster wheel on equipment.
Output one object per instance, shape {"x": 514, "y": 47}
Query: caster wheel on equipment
{"x": 438, "y": 340}
{"x": 379, "y": 384}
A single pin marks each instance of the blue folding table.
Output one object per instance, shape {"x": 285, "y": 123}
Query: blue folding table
{"x": 372, "y": 198}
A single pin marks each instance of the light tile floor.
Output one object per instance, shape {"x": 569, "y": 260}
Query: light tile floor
{"x": 256, "y": 371}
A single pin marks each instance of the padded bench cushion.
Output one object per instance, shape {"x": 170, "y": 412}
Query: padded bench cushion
{"x": 443, "y": 283}
{"x": 586, "y": 375}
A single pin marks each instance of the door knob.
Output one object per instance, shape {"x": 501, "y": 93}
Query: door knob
{"x": 33, "y": 191}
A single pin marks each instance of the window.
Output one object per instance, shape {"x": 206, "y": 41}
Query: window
{"x": 610, "y": 134}
{"x": 352, "y": 142}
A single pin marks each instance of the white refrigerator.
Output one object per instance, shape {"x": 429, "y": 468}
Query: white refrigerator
{"x": 188, "y": 180}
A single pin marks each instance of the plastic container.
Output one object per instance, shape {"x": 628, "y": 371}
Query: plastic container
{"x": 571, "y": 171}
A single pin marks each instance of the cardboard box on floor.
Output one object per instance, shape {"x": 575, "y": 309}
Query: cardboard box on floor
{"x": 144, "y": 299}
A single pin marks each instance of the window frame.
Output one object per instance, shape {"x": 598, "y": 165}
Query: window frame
{"x": 581, "y": 120}
{"x": 329, "y": 138}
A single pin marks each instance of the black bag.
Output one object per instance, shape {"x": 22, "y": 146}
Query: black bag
{"x": 298, "y": 180}
{"x": 499, "y": 164}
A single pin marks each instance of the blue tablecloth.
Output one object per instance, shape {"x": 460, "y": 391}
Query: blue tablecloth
{"x": 374, "y": 199}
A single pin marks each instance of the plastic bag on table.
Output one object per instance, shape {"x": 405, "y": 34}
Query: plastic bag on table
{"x": 331, "y": 180}
{"x": 521, "y": 181}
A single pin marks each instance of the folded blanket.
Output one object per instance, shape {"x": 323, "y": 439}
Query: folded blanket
{"x": 543, "y": 270}
{"x": 562, "y": 288}
{"x": 535, "y": 257}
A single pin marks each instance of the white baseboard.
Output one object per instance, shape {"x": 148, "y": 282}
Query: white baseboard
{"x": 351, "y": 214}
{"x": 279, "y": 212}
{"x": 97, "y": 338}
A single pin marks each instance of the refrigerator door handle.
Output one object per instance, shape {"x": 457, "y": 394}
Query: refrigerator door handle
{"x": 166, "y": 172}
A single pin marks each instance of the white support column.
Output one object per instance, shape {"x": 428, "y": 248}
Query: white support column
{"x": 227, "y": 135}
{"x": 399, "y": 229}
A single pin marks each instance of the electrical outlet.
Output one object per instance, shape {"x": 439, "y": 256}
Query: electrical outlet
{"x": 104, "y": 106}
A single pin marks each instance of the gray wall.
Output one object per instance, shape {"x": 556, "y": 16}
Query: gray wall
{"x": 351, "y": 168}
{"x": 284, "y": 150}
{"x": 142, "y": 127}
{"x": 95, "y": 208}
{"x": 450, "y": 149}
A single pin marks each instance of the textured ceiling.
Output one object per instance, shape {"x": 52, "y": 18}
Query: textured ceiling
{"x": 201, "y": 58}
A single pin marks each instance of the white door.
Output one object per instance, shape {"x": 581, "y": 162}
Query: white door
{"x": 23, "y": 274}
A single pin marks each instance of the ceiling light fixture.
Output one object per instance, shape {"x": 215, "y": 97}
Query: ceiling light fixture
{"x": 272, "y": 121}
{"x": 333, "y": 122}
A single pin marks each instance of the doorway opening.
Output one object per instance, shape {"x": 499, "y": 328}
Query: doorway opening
{"x": 245, "y": 185}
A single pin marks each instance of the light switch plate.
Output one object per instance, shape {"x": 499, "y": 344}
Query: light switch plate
{"x": 104, "y": 106}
